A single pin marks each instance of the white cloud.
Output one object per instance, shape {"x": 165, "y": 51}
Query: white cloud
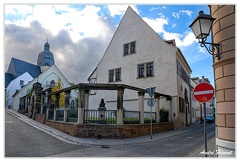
{"x": 22, "y": 10}
{"x": 176, "y": 15}
{"x": 157, "y": 24}
{"x": 188, "y": 12}
{"x": 61, "y": 17}
{"x": 119, "y": 10}
{"x": 182, "y": 40}
{"x": 78, "y": 37}
{"x": 189, "y": 39}
{"x": 157, "y": 8}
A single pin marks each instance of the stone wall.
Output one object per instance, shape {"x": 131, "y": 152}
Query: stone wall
{"x": 40, "y": 118}
{"x": 109, "y": 131}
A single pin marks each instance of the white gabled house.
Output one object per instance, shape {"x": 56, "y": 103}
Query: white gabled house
{"x": 137, "y": 56}
{"x": 15, "y": 85}
{"x": 50, "y": 76}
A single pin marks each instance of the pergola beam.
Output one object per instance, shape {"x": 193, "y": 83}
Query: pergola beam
{"x": 100, "y": 86}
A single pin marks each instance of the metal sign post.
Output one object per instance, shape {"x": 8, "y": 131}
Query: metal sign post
{"x": 151, "y": 103}
{"x": 204, "y": 92}
{"x": 151, "y": 118}
{"x": 205, "y": 129}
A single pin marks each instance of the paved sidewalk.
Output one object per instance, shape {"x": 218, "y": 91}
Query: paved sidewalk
{"x": 210, "y": 149}
{"x": 102, "y": 142}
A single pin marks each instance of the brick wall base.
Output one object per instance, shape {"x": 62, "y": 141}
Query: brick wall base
{"x": 108, "y": 131}
{"x": 22, "y": 111}
{"x": 40, "y": 118}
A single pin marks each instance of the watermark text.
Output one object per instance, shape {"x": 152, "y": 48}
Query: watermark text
{"x": 215, "y": 152}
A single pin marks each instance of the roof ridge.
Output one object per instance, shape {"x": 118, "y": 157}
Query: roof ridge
{"x": 13, "y": 58}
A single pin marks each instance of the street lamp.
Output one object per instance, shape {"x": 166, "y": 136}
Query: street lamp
{"x": 201, "y": 27}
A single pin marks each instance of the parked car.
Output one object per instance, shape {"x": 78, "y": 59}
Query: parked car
{"x": 209, "y": 119}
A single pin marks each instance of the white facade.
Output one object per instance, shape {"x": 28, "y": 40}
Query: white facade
{"x": 50, "y": 74}
{"x": 14, "y": 85}
{"x": 195, "y": 104}
{"x": 150, "y": 49}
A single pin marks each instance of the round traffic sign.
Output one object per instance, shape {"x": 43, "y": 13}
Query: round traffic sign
{"x": 203, "y": 92}
{"x": 151, "y": 102}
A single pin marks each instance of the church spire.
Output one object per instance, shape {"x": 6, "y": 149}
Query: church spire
{"x": 45, "y": 57}
{"x": 47, "y": 46}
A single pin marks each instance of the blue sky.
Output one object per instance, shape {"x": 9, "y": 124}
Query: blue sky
{"x": 79, "y": 34}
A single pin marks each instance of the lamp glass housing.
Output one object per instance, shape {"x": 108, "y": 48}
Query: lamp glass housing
{"x": 201, "y": 26}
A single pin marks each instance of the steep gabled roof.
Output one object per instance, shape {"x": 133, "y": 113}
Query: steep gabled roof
{"x": 129, "y": 18}
{"x": 130, "y": 24}
{"x": 18, "y": 67}
{"x": 8, "y": 79}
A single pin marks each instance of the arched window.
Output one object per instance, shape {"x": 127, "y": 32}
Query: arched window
{"x": 52, "y": 83}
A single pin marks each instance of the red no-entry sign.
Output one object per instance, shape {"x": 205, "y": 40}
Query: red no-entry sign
{"x": 203, "y": 92}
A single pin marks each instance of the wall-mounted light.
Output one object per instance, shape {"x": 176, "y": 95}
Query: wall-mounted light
{"x": 201, "y": 27}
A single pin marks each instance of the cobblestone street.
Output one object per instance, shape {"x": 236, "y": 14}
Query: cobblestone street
{"x": 24, "y": 140}
{"x": 183, "y": 145}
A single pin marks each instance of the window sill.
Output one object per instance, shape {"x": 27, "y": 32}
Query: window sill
{"x": 129, "y": 54}
{"x": 145, "y": 77}
{"x": 115, "y": 81}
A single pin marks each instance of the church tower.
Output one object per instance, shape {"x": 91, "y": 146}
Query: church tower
{"x": 45, "y": 57}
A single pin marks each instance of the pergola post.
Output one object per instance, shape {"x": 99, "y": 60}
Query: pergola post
{"x": 120, "y": 93}
{"x": 56, "y": 105}
{"x": 48, "y": 103}
{"x": 81, "y": 106}
{"x": 26, "y": 104}
{"x": 87, "y": 99}
{"x": 141, "y": 105}
{"x": 42, "y": 103}
{"x": 66, "y": 104}
{"x": 157, "y": 107}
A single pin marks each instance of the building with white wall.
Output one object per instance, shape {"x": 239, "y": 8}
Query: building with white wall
{"x": 195, "y": 104}
{"x": 138, "y": 56}
{"x": 46, "y": 78}
{"x": 21, "y": 76}
{"x": 18, "y": 67}
{"x": 14, "y": 85}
